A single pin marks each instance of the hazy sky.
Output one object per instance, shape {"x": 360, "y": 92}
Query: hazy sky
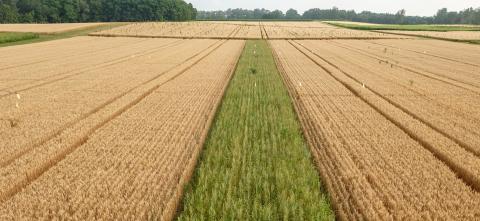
{"x": 413, "y": 7}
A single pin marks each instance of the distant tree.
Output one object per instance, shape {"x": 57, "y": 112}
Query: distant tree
{"x": 476, "y": 17}
{"x": 53, "y": 11}
{"x": 259, "y": 13}
{"x": 314, "y": 13}
{"x": 400, "y": 16}
{"x": 94, "y": 10}
{"x": 212, "y": 15}
{"x": 277, "y": 14}
{"x": 442, "y": 16}
{"x": 292, "y": 14}
{"x": 8, "y": 14}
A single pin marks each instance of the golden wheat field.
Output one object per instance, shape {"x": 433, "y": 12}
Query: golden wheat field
{"x": 460, "y": 35}
{"x": 121, "y": 120}
{"x": 241, "y": 30}
{"x": 110, "y": 126}
{"x": 45, "y": 28}
{"x": 393, "y": 130}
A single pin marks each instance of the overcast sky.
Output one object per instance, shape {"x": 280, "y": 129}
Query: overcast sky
{"x": 413, "y": 7}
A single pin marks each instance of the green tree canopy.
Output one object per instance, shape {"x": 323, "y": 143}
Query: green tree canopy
{"x": 292, "y": 14}
{"x": 443, "y": 16}
{"x": 53, "y": 11}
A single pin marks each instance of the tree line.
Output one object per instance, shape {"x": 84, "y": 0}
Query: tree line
{"x": 443, "y": 16}
{"x": 56, "y": 11}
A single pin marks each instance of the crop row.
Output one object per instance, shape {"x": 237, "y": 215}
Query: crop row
{"x": 47, "y": 111}
{"x": 135, "y": 163}
{"x": 52, "y": 106}
{"x": 376, "y": 160}
{"x": 443, "y": 107}
{"x": 446, "y": 51}
{"x": 457, "y": 73}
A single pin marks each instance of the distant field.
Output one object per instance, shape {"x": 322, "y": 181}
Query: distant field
{"x": 13, "y": 37}
{"x": 27, "y": 38}
{"x": 461, "y": 33}
{"x": 470, "y": 36}
{"x": 46, "y": 28}
{"x": 240, "y": 30}
{"x": 437, "y": 28}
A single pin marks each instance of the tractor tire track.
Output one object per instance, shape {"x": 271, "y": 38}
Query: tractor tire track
{"x": 261, "y": 31}
{"x": 266, "y": 33}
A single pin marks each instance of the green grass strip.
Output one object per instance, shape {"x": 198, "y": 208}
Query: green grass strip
{"x": 61, "y": 35}
{"x": 437, "y": 28}
{"x": 255, "y": 164}
{"x": 7, "y": 37}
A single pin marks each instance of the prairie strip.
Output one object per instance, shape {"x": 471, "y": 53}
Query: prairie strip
{"x": 15, "y": 36}
{"x": 255, "y": 164}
